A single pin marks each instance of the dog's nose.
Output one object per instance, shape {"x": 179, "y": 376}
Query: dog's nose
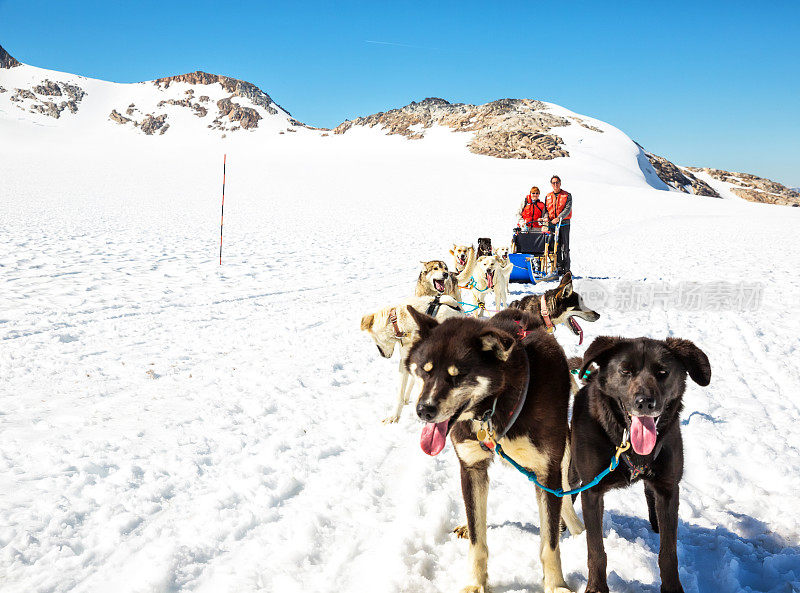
{"x": 644, "y": 403}
{"x": 426, "y": 411}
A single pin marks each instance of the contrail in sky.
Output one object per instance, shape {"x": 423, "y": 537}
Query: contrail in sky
{"x": 400, "y": 44}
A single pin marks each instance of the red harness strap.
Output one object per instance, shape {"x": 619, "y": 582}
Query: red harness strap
{"x": 522, "y": 333}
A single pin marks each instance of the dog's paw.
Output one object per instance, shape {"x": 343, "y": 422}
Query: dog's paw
{"x": 561, "y": 590}
{"x": 461, "y": 532}
{"x": 391, "y": 419}
{"x": 475, "y": 589}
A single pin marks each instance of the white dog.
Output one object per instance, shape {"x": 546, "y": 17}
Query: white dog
{"x": 483, "y": 280}
{"x": 503, "y": 277}
{"x": 463, "y": 258}
{"x": 394, "y": 325}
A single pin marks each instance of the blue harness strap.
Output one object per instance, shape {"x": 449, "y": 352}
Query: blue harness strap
{"x": 559, "y": 492}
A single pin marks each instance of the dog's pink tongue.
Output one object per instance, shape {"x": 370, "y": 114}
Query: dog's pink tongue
{"x": 643, "y": 434}
{"x": 490, "y": 280}
{"x": 432, "y": 439}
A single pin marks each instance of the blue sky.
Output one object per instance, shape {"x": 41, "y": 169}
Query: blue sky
{"x": 711, "y": 84}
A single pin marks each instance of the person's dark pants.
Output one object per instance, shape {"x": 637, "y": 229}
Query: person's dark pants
{"x": 562, "y": 257}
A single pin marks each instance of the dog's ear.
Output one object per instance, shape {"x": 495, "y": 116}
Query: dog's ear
{"x": 565, "y": 286}
{"x": 498, "y": 342}
{"x": 599, "y": 351}
{"x": 426, "y": 323}
{"x": 453, "y": 250}
{"x": 694, "y": 359}
{"x": 367, "y": 321}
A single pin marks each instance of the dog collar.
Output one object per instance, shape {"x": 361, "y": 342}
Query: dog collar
{"x": 486, "y": 433}
{"x": 546, "y": 316}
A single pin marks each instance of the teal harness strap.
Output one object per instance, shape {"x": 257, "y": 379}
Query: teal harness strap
{"x": 560, "y": 492}
{"x": 474, "y": 307}
{"x": 473, "y": 285}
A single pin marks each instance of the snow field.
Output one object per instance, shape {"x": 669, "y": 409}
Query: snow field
{"x": 172, "y": 425}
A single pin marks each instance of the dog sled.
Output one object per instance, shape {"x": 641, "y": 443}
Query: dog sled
{"x": 533, "y": 256}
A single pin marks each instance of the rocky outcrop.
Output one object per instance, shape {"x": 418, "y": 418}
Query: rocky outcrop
{"x": 681, "y": 180}
{"x": 32, "y": 98}
{"x": 119, "y": 118}
{"x": 73, "y": 94}
{"x": 246, "y": 116}
{"x": 49, "y": 88}
{"x": 585, "y": 125}
{"x": 198, "y": 109}
{"x": 6, "y": 60}
{"x": 21, "y": 94}
{"x": 754, "y": 188}
{"x": 507, "y": 128}
{"x": 238, "y": 88}
{"x": 151, "y": 124}
{"x": 518, "y": 145}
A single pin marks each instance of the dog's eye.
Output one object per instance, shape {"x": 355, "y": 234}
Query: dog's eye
{"x": 662, "y": 374}
{"x": 624, "y": 372}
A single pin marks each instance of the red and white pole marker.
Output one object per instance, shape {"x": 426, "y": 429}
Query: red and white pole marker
{"x": 222, "y": 214}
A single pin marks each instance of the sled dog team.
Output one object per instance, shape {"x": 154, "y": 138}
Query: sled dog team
{"x": 474, "y": 274}
{"x": 502, "y": 386}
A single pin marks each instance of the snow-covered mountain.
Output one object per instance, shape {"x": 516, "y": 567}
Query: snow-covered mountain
{"x": 199, "y": 104}
{"x": 187, "y": 104}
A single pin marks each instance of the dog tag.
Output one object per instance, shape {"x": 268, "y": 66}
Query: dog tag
{"x": 482, "y": 434}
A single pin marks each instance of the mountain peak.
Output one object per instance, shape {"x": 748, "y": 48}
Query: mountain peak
{"x": 7, "y": 60}
{"x": 238, "y": 87}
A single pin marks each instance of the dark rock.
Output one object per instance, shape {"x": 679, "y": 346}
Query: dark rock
{"x": 48, "y": 108}
{"x": 118, "y": 117}
{"x": 150, "y": 124}
{"x": 675, "y": 177}
{"x": 6, "y": 60}
{"x": 246, "y": 116}
{"x": 754, "y": 188}
{"x": 48, "y": 87}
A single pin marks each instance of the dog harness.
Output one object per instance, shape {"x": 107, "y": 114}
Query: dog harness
{"x": 393, "y": 320}
{"x": 641, "y": 469}
{"x": 436, "y": 303}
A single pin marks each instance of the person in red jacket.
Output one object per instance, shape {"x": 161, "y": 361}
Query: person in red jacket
{"x": 532, "y": 211}
{"x": 559, "y": 209}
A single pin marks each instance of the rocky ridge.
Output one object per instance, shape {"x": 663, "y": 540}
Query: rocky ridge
{"x": 507, "y": 128}
{"x": 7, "y": 60}
{"x": 237, "y": 88}
{"x": 229, "y": 115}
{"x": 753, "y": 188}
{"x": 681, "y": 180}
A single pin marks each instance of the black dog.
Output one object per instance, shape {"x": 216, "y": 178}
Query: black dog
{"x": 468, "y": 370}
{"x": 561, "y": 305}
{"x": 635, "y": 395}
